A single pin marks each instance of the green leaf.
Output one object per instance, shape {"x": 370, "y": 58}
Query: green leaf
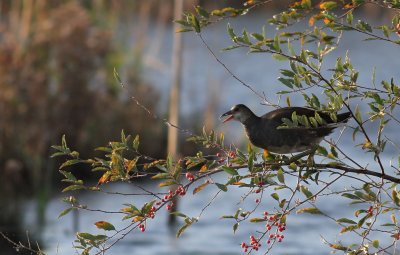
{"x": 349, "y": 17}
{"x": 395, "y": 197}
{"x": 230, "y": 47}
{"x": 358, "y": 115}
{"x": 375, "y": 243}
{"x": 235, "y": 227}
{"x": 179, "y": 214}
{"x": 311, "y": 210}
{"x": 195, "y": 23}
{"x": 257, "y": 36}
{"x": 161, "y": 176}
{"x": 73, "y": 187}
{"x": 279, "y": 57}
{"x": 363, "y": 26}
{"x": 250, "y": 162}
{"x": 345, "y": 220}
{"x": 68, "y": 175}
{"x": 281, "y": 177}
{"x": 306, "y": 192}
{"x": 116, "y": 76}
{"x": 286, "y": 82}
{"x": 104, "y": 225}
{"x": 135, "y": 143}
{"x": 181, "y": 230}
{"x": 230, "y": 170}
{"x": 202, "y": 12}
{"x": 275, "y": 196}
{"x": 70, "y": 163}
{"x": 222, "y": 187}
{"x": 276, "y": 44}
{"x": 65, "y": 212}
{"x": 91, "y": 237}
{"x": 231, "y": 33}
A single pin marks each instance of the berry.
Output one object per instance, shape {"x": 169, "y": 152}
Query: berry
{"x": 257, "y": 200}
{"x": 169, "y": 207}
{"x": 189, "y": 176}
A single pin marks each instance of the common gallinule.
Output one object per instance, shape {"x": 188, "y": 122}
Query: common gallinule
{"x": 263, "y": 132}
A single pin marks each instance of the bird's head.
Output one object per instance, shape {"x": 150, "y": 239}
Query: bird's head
{"x": 239, "y": 112}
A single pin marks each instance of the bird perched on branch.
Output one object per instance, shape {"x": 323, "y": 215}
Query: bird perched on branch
{"x": 286, "y": 130}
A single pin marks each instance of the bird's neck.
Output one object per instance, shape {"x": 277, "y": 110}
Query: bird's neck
{"x": 251, "y": 120}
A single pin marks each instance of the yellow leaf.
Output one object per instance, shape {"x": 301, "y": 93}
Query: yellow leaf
{"x": 203, "y": 168}
{"x": 367, "y": 145}
{"x": 311, "y": 21}
{"x": 349, "y": 6}
{"x": 138, "y": 218}
{"x": 104, "y": 178}
{"x": 104, "y": 225}
{"x": 200, "y": 187}
{"x": 167, "y": 183}
{"x": 327, "y": 21}
{"x": 328, "y": 5}
{"x": 266, "y": 153}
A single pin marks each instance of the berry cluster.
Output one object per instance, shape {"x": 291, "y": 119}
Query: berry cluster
{"x": 180, "y": 191}
{"x": 189, "y": 176}
{"x": 254, "y": 244}
{"x": 142, "y": 227}
{"x": 273, "y": 222}
{"x": 278, "y": 237}
{"x": 169, "y": 196}
{"x": 151, "y": 213}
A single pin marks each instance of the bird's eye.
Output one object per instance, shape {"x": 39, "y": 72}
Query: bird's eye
{"x": 235, "y": 109}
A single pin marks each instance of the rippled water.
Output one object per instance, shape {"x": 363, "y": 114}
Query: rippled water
{"x": 213, "y": 235}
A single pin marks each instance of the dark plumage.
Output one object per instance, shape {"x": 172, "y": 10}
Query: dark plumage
{"x": 262, "y": 131}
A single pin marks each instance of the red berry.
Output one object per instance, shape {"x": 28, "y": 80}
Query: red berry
{"x": 257, "y": 200}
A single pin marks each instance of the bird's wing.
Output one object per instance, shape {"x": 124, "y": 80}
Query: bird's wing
{"x": 286, "y": 112}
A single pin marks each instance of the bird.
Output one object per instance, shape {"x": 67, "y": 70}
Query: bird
{"x": 266, "y": 131}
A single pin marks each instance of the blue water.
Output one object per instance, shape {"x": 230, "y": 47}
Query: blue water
{"x": 213, "y": 235}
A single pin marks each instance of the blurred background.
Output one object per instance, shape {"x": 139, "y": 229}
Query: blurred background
{"x": 56, "y": 77}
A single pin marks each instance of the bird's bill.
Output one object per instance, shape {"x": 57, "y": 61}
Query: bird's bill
{"x": 228, "y": 115}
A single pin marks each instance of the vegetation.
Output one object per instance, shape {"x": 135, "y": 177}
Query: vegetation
{"x": 295, "y": 186}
